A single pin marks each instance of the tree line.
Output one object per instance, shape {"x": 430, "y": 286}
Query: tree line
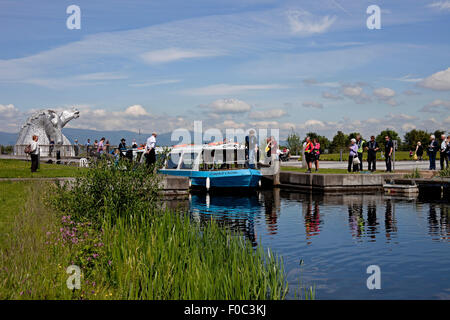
{"x": 341, "y": 140}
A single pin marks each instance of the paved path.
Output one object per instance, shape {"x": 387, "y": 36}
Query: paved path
{"x": 381, "y": 165}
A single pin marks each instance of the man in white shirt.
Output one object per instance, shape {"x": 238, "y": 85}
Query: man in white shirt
{"x": 443, "y": 154}
{"x": 150, "y": 149}
{"x": 34, "y": 154}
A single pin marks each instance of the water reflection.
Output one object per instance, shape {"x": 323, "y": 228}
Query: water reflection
{"x": 366, "y": 213}
{"x": 271, "y": 209}
{"x": 338, "y": 235}
{"x": 312, "y": 220}
{"x": 438, "y": 221}
{"x": 237, "y": 212}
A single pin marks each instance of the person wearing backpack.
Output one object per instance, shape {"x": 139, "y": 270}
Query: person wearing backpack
{"x": 34, "y": 153}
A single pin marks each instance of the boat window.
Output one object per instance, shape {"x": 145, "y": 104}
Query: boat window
{"x": 172, "y": 160}
{"x": 187, "y": 162}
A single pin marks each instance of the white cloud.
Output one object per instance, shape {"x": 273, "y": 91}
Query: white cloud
{"x": 355, "y": 92}
{"x": 136, "y": 111}
{"x": 10, "y": 118}
{"x": 131, "y": 118}
{"x": 231, "y": 124}
{"x": 408, "y": 127}
{"x": 440, "y": 5}
{"x": 411, "y": 93}
{"x": 435, "y": 106}
{"x": 154, "y": 83}
{"x": 408, "y": 78}
{"x": 314, "y": 82}
{"x": 312, "y": 123}
{"x": 8, "y": 111}
{"x": 439, "y": 81}
{"x": 227, "y": 106}
{"x": 312, "y": 104}
{"x": 174, "y": 54}
{"x": 227, "y": 89}
{"x": 267, "y": 114}
{"x": 386, "y": 95}
{"x": 331, "y": 96}
{"x": 265, "y": 124}
{"x": 304, "y": 23}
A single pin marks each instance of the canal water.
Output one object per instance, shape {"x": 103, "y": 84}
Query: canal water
{"x": 328, "y": 241}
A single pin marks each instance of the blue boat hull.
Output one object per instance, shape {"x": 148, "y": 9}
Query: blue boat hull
{"x": 240, "y": 178}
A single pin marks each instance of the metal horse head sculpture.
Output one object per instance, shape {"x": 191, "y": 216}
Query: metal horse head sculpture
{"x": 47, "y": 125}
{"x": 56, "y": 121}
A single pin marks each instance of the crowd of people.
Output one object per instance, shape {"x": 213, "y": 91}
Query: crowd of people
{"x": 102, "y": 147}
{"x": 311, "y": 151}
{"x": 357, "y": 146}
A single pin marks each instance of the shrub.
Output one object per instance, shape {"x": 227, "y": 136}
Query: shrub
{"x": 107, "y": 191}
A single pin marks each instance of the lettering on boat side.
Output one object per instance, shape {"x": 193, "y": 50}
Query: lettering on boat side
{"x": 374, "y": 281}
{"x": 233, "y": 309}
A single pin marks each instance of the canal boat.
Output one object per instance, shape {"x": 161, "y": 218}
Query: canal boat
{"x": 212, "y": 166}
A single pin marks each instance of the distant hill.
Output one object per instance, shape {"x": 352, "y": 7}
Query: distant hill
{"x": 8, "y": 139}
{"x": 83, "y": 134}
{"x": 113, "y": 136}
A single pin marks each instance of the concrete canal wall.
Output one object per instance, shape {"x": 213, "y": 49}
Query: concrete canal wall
{"x": 334, "y": 182}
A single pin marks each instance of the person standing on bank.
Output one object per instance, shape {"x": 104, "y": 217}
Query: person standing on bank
{"x": 432, "y": 149}
{"x": 309, "y": 153}
{"x": 352, "y": 155}
{"x": 443, "y": 153}
{"x": 101, "y": 146}
{"x": 34, "y": 153}
{"x": 388, "y": 149}
{"x": 419, "y": 151}
{"x": 88, "y": 147}
{"x": 150, "y": 152}
{"x": 76, "y": 147}
{"x": 360, "y": 143}
{"x": 316, "y": 153}
{"x": 372, "y": 148}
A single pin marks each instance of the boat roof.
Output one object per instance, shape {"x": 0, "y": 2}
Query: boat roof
{"x": 210, "y": 146}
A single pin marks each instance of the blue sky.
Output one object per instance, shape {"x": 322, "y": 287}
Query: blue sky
{"x": 160, "y": 65}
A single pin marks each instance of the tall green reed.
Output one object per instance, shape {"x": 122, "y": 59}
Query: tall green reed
{"x": 159, "y": 254}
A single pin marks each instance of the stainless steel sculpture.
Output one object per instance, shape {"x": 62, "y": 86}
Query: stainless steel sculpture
{"x": 47, "y": 125}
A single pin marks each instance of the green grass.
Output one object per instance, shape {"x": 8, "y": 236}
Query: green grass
{"x": 144, "y": 254}
{"x": 30, "y": 268}
{"x": 12, "y": 199}
{"x": 10, "y": 168}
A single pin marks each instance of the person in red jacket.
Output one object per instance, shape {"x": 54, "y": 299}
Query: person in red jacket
{"x": 316, "y": 153}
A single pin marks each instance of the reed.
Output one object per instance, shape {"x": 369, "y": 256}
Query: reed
{"x": 151, "y": 253}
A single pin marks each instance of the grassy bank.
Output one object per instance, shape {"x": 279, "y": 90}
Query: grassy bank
{"x": 124, "y": 251}
{"x": 11, "y": 168}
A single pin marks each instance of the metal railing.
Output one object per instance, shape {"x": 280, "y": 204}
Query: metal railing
{"x": 47, "y": 150}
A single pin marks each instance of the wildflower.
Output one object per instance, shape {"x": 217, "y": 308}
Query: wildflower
{"x": 95, "y": 255}
{"x": 109, "y": 262}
